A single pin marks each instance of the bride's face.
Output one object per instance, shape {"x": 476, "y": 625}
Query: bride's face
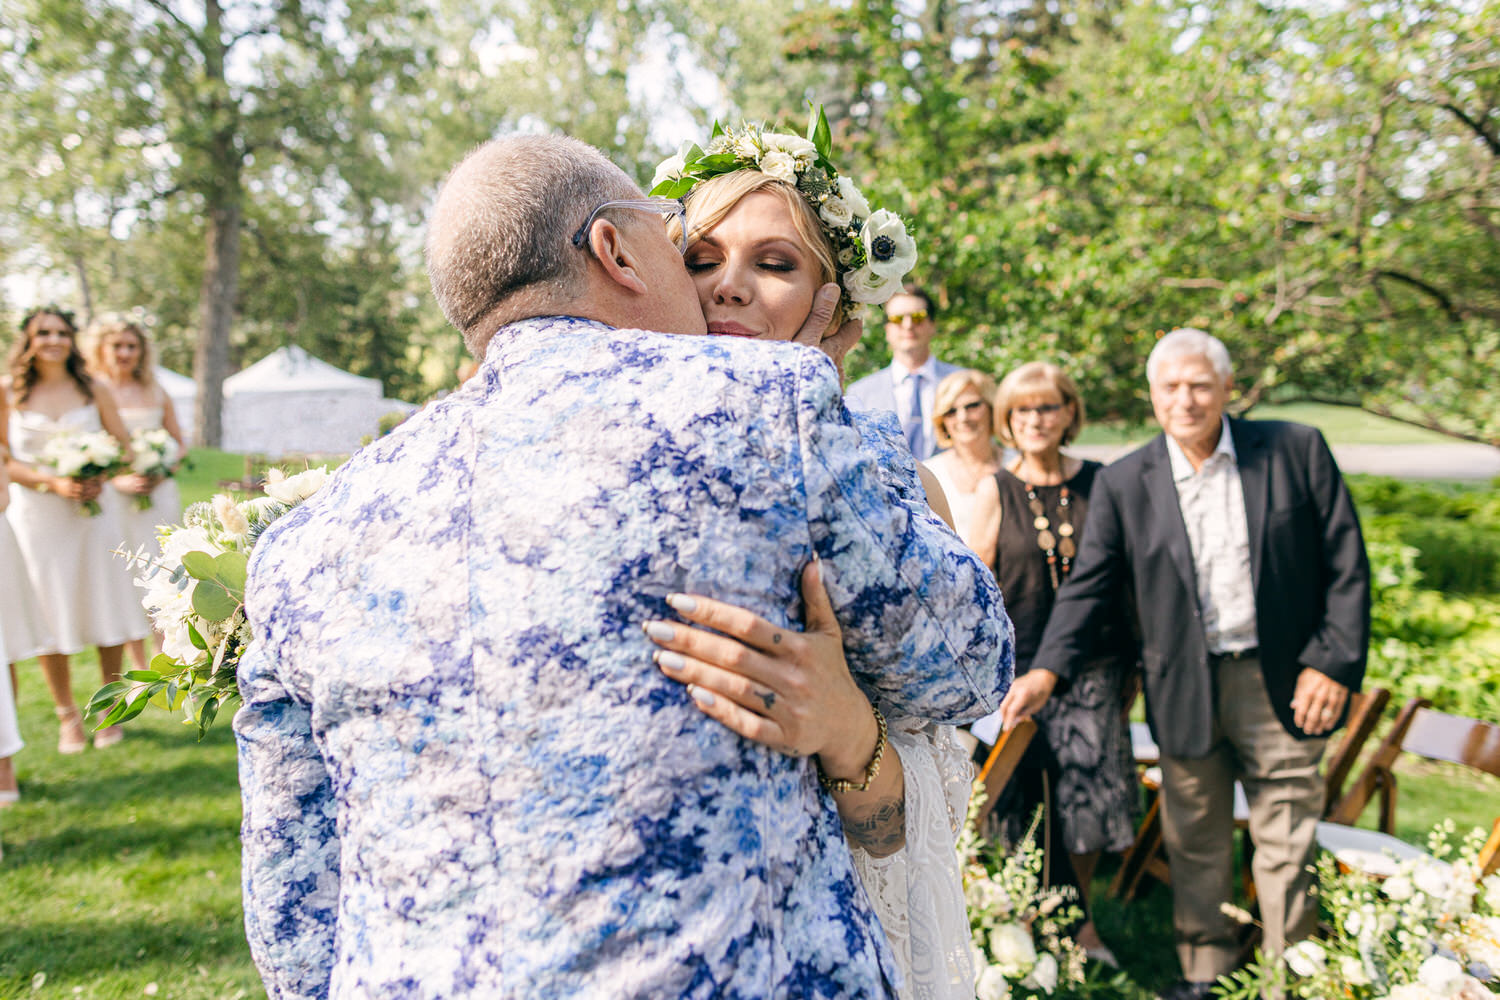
{"x": 755, "y": 277}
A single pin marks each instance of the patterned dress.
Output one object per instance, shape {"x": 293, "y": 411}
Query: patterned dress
{"x": 463, "y": 776}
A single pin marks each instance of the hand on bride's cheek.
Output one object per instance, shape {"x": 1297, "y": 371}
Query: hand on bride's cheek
{"x": 754, "y": 275}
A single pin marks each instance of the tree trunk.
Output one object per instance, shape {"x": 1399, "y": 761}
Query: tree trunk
{"x": 221, "y": 282}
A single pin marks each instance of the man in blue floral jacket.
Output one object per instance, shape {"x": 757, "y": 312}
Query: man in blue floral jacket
{"x": 463, "y": 775}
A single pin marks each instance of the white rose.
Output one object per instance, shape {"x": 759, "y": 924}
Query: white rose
{"x": 780, "y": 166}
{"x": 857, "y": 203}
{"x": 835, "y": 211}
{"x": 1044, "y": 976}
{"x": 1397, "y": 887}
{"x": 865, "y": 286}
{"x": 1306, "y": 958}
{"x": 800, "y": 149}
{"x": 1441, "y": 974}
{"x": 746, "y": 147}
{"x": 295, "y": 489}
{"x": 992, "y": 984}
{"x": 889, "y": 251}
{"x": 1352, "y": 971}
{"x": 671, "y": 168}
{"x": 1012, "y": 947}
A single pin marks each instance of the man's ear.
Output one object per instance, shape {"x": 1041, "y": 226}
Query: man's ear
{"x": 615, "y": 256}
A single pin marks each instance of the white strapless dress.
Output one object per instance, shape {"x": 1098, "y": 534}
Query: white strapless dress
{"x": 166, "y": 500}
{"x": 23, "y": 629}
{"x": 84, "y": 591}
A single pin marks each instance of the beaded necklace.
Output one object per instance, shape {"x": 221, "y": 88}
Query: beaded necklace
{"x": 1060, "y": 550}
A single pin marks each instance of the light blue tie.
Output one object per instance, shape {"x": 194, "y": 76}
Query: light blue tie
{"x": 913, "y": 424}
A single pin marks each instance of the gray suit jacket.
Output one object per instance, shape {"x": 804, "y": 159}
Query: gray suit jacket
{"x": 877, "y": 391}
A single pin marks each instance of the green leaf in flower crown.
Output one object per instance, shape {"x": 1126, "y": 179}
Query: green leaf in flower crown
{"x": 200, "y": 565}
{"x": 229, "y": 569}
{"x": 819, "y": 134}
{"x": 212, "y": 601}
{"x": 716, "y": 163}
{"x": 718, "y": 131}
{"x": 675, "y": 188}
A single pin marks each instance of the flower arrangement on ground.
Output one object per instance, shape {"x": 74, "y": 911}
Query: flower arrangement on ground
{"x": 84, "y": 455}
{"x": 1428, "y": 930}
{"x": 873, "y": 250}
{"x": 195, "y": 595}
{"x": 153, "y": 453}
{"x": 1020, "y": 927}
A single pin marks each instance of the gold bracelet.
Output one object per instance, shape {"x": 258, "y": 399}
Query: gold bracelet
{"x": 840, "y": 785}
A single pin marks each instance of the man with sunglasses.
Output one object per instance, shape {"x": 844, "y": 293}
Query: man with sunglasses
{"x": 908, "y": 385}
{"x": 463, "y": 774}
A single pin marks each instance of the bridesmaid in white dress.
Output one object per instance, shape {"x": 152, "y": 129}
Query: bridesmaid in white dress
{"x": 120, "y": 357}
{"x": 84, "y": 591}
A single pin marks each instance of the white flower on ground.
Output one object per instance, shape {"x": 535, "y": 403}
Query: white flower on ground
{"x": 1044, "y": 975}
{"x": 295, "y": 489}
{"x": 798, "y": 148}
{"x": 1306, "y": 958}
{"x": 230, "y": 517}
{"x": 780, "y": 166}
{"x": 889, "y": 251}
{"x": 1013, "y": 949}
{"x": 835, "y": 211}
{"x": 867, "y": 287}
{"x": 1441, "y": 974}
{"x": 992, "y": 984}
{"x": 671, "y": 168}
{"x": 856, "y": 201}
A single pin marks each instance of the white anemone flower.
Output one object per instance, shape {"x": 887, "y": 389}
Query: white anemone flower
{"x": 867, "y": 287}
{"x": 889, "y": 251}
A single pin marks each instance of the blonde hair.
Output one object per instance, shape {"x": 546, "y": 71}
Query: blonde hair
{"x": 711, "y": 201}
{"x": 950, "y": 388}
{"x": 1031, "y": 379}
{"x": 144, "y": 372}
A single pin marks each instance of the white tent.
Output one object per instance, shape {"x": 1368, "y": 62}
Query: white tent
{"x": 183, "y": 392}
{"x": 291, "y": 402}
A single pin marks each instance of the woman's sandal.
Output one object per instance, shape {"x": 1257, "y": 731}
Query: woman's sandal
{"x": 10, "y": 792}
{"x": 108, "y": 737}
{"x": 70, "y": 735}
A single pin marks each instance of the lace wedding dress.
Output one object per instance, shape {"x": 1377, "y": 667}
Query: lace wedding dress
{"x": 917, "y": 892}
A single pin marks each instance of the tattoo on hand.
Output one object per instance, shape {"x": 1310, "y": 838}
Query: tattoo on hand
{"x": 775, "y": 638}
{"x": 880, "y": 829}
{"x": 769, "y": 697}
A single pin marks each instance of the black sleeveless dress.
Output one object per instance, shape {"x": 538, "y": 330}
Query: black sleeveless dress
{"x": 1081, "y": 758}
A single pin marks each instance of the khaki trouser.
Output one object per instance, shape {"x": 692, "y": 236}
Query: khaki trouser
{"x": 1285, "y": 792}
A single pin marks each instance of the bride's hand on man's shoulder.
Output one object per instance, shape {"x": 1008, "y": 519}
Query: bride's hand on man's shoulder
{"x": 815, "y": 333}
{"x": 791, "y": 691}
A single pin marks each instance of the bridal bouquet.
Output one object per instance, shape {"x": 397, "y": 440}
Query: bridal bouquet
{"x": 84, "y": 455}
{"x": 153, "y": 454}
{"x": 1020, "y": 928}
{"x": 195, "y": 595}
{"x": 1423, "y": 929}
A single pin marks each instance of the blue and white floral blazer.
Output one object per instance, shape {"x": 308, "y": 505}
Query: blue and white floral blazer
{"x": 463, "y": 775}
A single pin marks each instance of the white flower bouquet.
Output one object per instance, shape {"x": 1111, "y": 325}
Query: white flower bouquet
{"x": 1430, "y": 930}
{"x": 153, "y": 453}
{"x": 84, "y": 455}
{"x": 195, "y": 595}
{"x": 1020, "y": 927}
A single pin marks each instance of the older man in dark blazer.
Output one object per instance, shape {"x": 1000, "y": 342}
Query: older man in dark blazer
{"x": 1241, "y": 546}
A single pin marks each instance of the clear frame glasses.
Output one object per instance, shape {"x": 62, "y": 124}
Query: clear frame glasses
{"x": 669, "y": 208}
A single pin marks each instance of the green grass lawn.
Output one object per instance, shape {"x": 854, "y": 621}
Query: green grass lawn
{"x": 121, "y": 869}
{"x": 1339, "y": 424}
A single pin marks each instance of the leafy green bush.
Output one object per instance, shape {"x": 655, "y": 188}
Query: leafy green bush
{"x": 1456, "y": 533}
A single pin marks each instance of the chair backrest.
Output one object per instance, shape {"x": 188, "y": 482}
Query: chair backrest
{"x": 1005, "y": 756}
{"x": 1365, "y": 710}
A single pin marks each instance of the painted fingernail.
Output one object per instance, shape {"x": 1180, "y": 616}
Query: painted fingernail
{"x": 683, "y": 603}
{"x": 669, "y": 660}
{"x": 660, "y": 631}
{"x": 702, "y": 697}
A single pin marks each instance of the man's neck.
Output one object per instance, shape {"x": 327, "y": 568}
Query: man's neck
{"x": 1198, "y": 451}
{"x": 911, "y": 360}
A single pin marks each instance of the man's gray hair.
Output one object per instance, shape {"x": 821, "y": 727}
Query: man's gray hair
{"x": 1187, "y": 342}
{"x": 501, "y": 230}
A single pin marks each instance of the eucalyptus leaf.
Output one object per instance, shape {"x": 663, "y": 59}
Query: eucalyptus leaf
{"x": 200, "y": 565}
{"x": 229, "y": 569}
{"x": 213, "y": 602}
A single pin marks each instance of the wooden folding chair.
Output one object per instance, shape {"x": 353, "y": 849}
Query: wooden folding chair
{"x": 1422, "y": 732}
{"x": 1147, "y": 856}
{"x": 1000, "y": 766}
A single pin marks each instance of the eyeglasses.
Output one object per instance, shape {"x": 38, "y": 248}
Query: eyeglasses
{"x": 919, "y": 316}
{"x": 670, "y": 208}
{"x": 966, "y": 409}
{"x": 1044, "y": 410}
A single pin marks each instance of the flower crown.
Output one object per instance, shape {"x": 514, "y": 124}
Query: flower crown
{"x": 872, "y": 249}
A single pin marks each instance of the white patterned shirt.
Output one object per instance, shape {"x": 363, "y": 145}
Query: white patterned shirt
{"x": 1212, "y": 500}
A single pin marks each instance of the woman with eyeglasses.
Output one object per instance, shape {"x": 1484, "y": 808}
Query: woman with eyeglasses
{"x": 964, "y": 420}
{"x": 1028, "y": 518}
{"x": 768, "y": 244}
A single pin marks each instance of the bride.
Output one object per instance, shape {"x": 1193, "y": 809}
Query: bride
{"x": 768, "y": 235}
